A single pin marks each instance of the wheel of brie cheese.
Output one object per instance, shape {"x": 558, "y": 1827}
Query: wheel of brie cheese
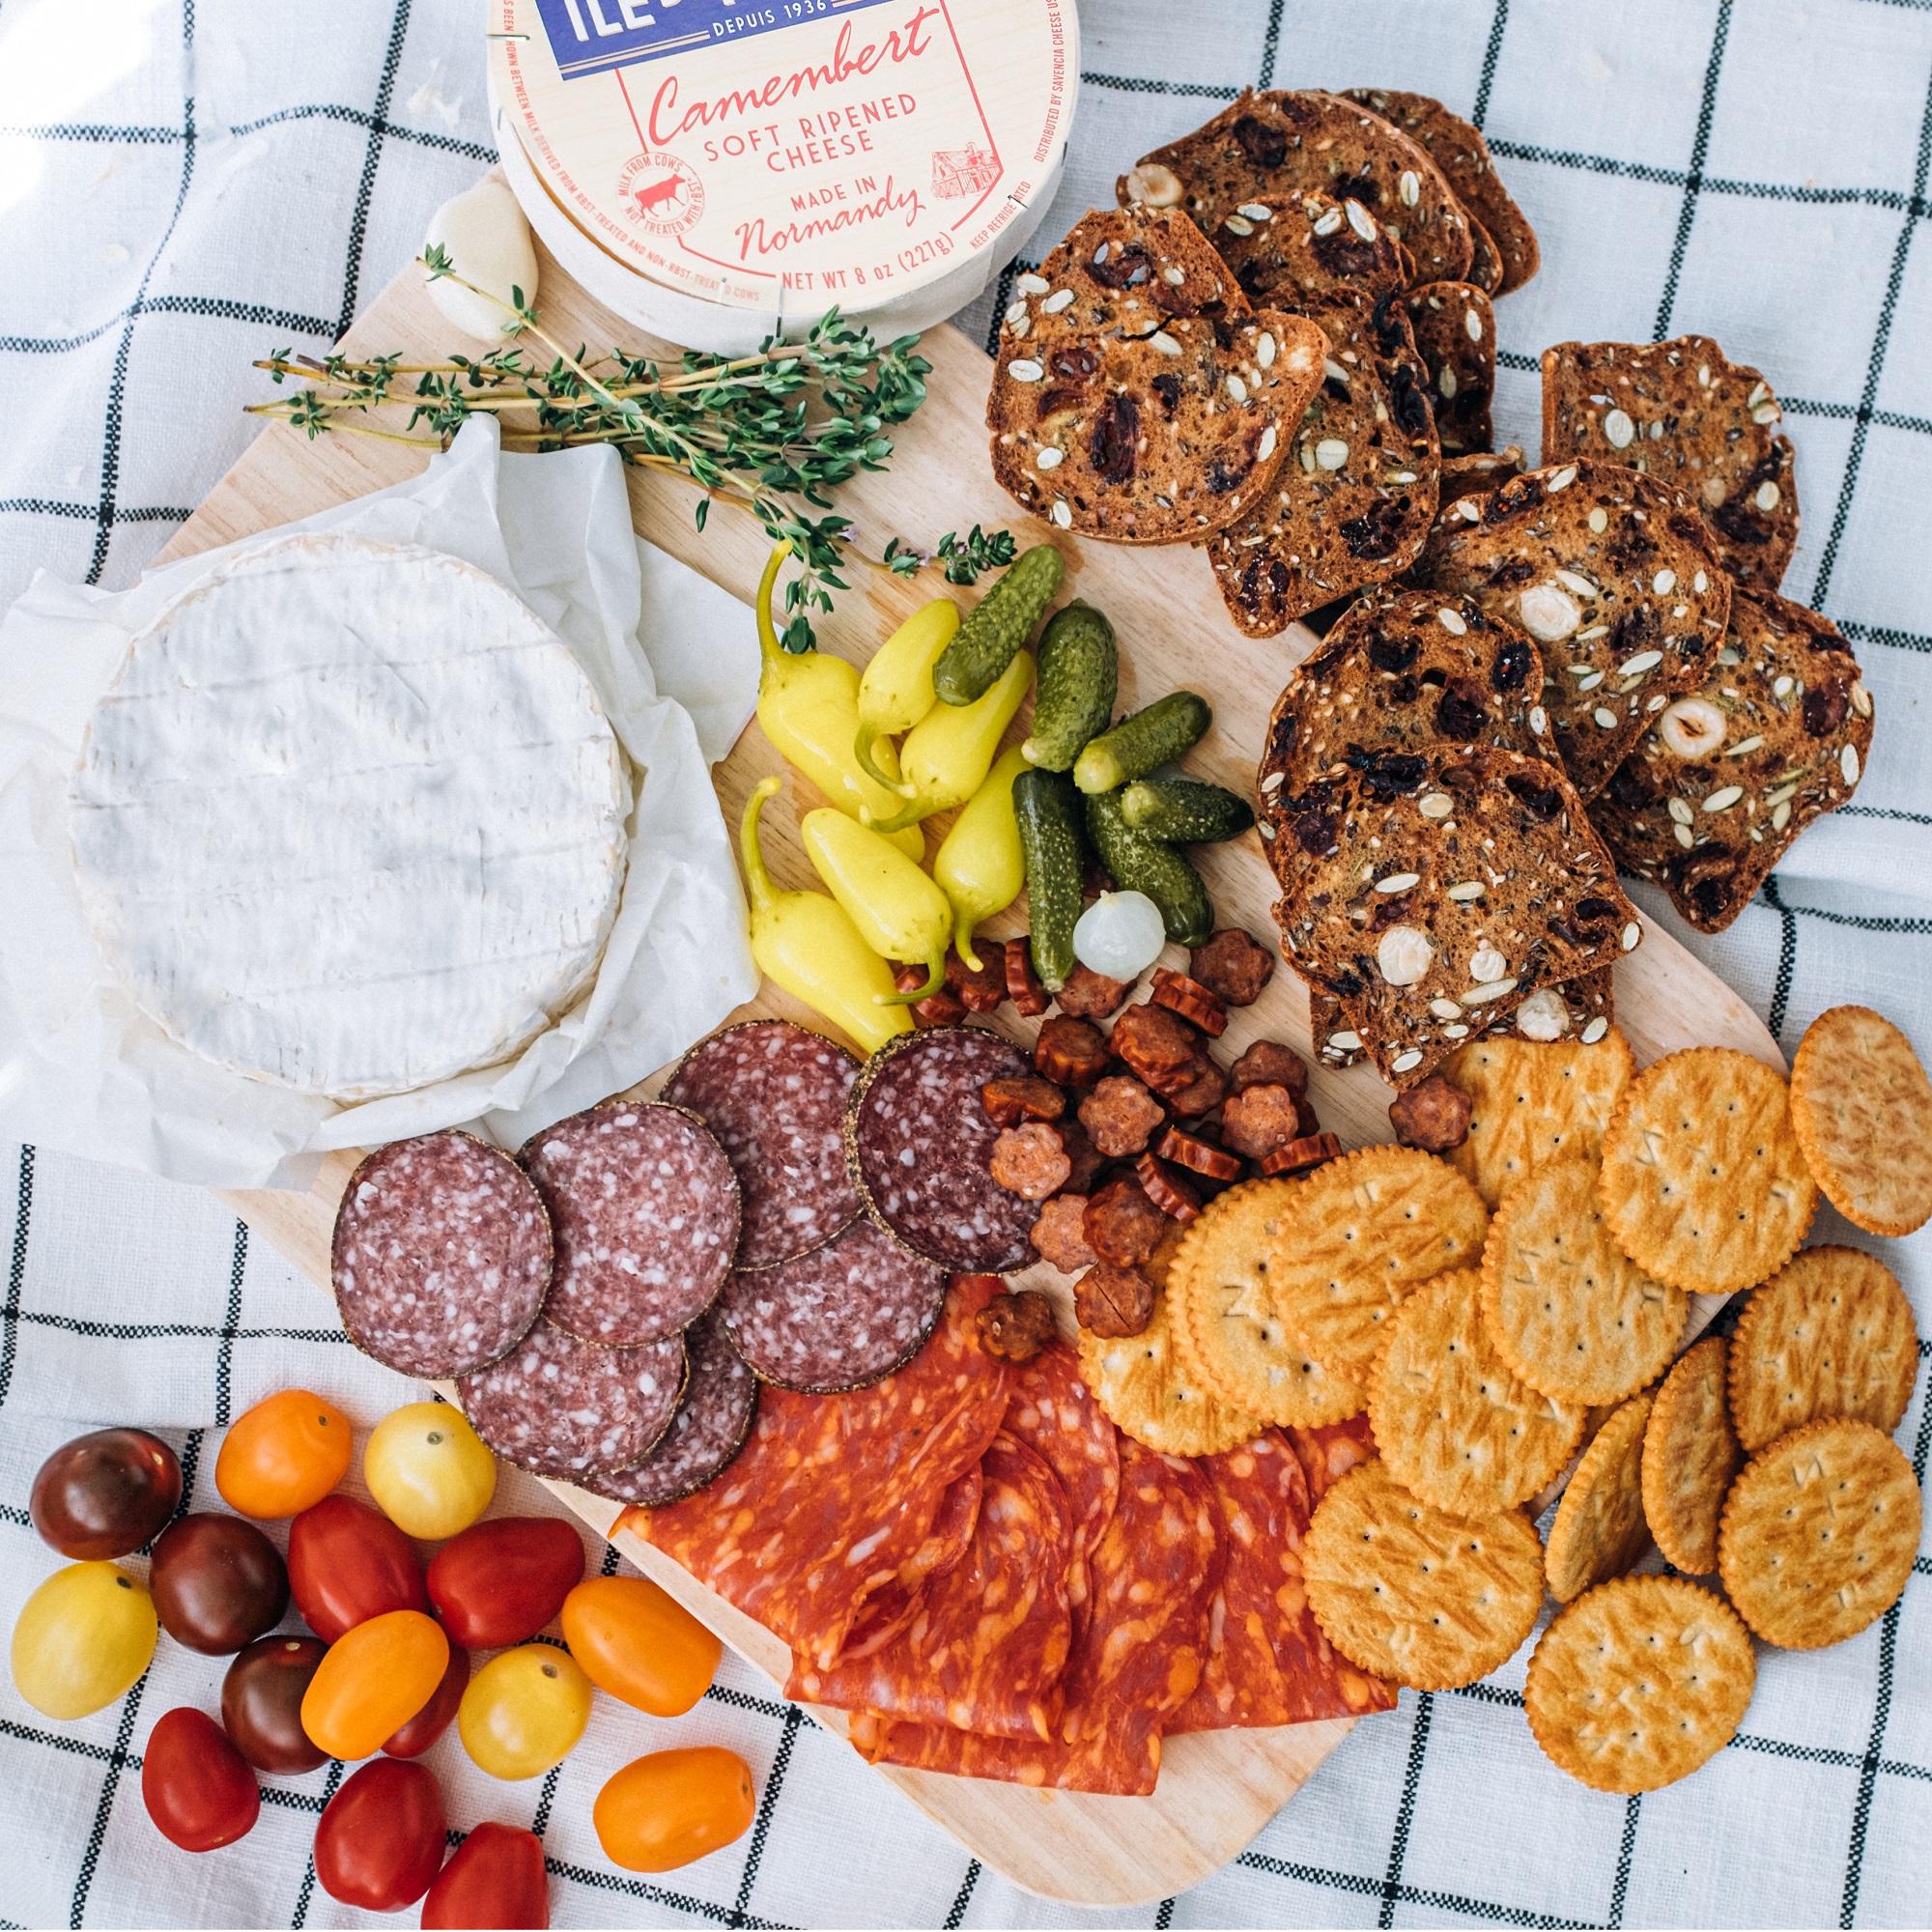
{"x": 349, "y": 818}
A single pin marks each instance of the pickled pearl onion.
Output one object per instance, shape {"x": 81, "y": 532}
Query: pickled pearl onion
{"x": 1121, "y": 935}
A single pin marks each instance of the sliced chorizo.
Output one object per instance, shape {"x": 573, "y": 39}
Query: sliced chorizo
{"x": 1024, "y": 1097}
{"x": 1070, "y": 1052}
{"x": 1255, "y": 1121}
{"x": 1023, "y": 984}
{"x": 1030, "y": 1161}
{"x": 1190, "y": 999}
{"x": 1088, "y": 995}
{"x": 1166, "y": 1189}
{"x": 1060, "y": 1234}
{"x": 1270, "y": 1063}
{"x": 1200, "y": 1156}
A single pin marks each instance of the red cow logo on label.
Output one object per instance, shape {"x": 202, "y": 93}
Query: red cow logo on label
{"x": 661, "y": 193}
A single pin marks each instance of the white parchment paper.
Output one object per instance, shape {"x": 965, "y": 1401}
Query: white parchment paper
{"x": 676, "y": 663}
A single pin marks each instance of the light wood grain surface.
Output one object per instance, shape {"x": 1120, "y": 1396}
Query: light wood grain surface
{"x": 1217, "y": 1789}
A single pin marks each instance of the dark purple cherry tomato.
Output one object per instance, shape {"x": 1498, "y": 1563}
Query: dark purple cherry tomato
{"x": 501, "y": 1582}
{"x": 105, "y": 1495}
{"x": 194, "y": 1784}
{"x": 218, "y": 1583}
{"x": 349, "y": 1563}
{"x": 436, "y": 1717}
{"x": 260, "y": 1703}
{"x": 495, "y": 1879}
{"x": 379, "y": 1842}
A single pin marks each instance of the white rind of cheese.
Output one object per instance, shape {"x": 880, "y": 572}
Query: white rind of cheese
{"x": 349, "y": 818}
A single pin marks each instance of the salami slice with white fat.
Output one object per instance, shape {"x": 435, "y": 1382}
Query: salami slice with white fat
{"x": 919, "y": 1141}
{"x": 775, "y": 1095}
{"x": 713, "y": 1419}
{"x": 645, "y": 1206}
{"x": 838, "y": 1319}
{"x": 558, "y": 1407}
{"x": 441, "y": 1255}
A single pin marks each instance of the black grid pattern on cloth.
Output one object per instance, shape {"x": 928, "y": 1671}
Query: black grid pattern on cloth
{"x": 1414, "y": 1763}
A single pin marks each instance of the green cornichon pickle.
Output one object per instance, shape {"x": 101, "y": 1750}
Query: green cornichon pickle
{"x": 1143, "y": 742}
{"x": 1079, "y": 675}
{"x": 1184, "y": 811}
{"x": 999, "y": 624}
{"x": 1142, "y": 865}
{"x": 1047, "y": 811}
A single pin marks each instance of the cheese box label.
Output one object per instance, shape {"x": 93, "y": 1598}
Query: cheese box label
{"x": 589, "y": 36}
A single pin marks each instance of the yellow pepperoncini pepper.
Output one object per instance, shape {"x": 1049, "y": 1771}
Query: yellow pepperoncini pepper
{"x": 948, "y": 753}
{"x": 806, "y": 942}
{"x": 897, "y": 690}
{"x": 808, "y": 705}
{"x": 899, "y": 911}
{"x": 979, "y": 866}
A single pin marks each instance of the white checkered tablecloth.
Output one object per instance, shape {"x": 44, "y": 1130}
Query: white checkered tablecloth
{"x": 185, "y": 184}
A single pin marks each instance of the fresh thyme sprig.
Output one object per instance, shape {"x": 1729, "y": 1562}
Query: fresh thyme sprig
{"x": 965, "y": 558}
{"x": 773, "y": 433}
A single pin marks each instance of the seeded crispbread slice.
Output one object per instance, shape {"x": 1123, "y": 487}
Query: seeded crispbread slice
{"x": 1639, "y": 1682}
{"x": 1410, "y": 1592}
{"x": 1460, "y": 151}
{"x": 1615, "y": 578}
{"x": 1309, "y": 244}
{"x": 1136, "y": 396}
{"x": 1819, "y": 1534}
{"x": 1829, "y": 1334}
{"x": 1584, "y": 1009}
{"x": 1681, "y": 411}
{"x": 1862, "y": 1109}
{"x": 1455, "y": 332}
{"x": 1445, "y": 888}
{"x": 1261, "y": 148}
{"x": 1485, "y": 259}
{"x": 1730, "y": 774}
{"x": 1354, "y": 501}
{"x": 1703, "y": 1185}
{"x": 1479, "y": 471}
{"x": 1691, "y": 1453}
{"x": 1598, "y": 1531}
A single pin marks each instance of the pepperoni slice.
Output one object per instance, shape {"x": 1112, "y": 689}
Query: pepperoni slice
{"x": 646, "y": 1209}
{"x": 442, "y": 1256}
{"x": 775, "y": 1095}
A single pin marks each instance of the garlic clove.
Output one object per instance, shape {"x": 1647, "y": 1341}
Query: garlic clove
{"x": 487, "y": 242}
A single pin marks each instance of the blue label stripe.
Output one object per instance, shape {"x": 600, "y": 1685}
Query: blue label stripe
{"x": 594, "y": 36}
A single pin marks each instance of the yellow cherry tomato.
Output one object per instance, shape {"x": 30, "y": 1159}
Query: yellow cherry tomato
{"x": 524, "y": 1710}
{"x": 83, "y": 1640}
{"x": 670, "y": 1808}
{"x": 284, "y": 1455}
{"x": 372, "y": 1681}
{"x": 429, "y": 1471}
{"x": 639, "y": 1643}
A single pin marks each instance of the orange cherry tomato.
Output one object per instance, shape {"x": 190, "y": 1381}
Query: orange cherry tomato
{"x": 670, "y": 1808}
{"x": 373, "y": 1681}
{"x": 639, "y": 1643}
{"x": 283, "y": 1456}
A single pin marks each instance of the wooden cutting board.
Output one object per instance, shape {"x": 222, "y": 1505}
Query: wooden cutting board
{"x": 1217, "y": 1789}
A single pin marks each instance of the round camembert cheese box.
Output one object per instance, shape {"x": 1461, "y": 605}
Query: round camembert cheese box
{"x": 790, "y": 156}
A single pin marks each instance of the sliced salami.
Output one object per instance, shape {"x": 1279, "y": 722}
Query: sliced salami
{"x": 838, "y": 1319}
{"x": 775, "y": 1095}
{"x": 646, "y": 1209}
{"x": 558, "y": 1407}
{"x": 714, "y": 1417}
{"x": 919, "y": 1141}
{"x": 442, "y": 1256}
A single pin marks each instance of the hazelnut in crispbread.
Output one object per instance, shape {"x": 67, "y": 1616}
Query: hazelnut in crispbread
{"x": 1703, "y": 1185}
{"x": 1862, "y": 1109}
{"x": 1352, "y": 503}
{"x": 1819, "y": 1534}
{"x": 1582, "y": 1008}
{"x": 1639, "y": 1682}
{"x": 1139, "y": 1382}
{"x": 1598, "y": 1531}
{"x": 1829, "y": 1334}
{"x": 1615, "y": 578}
{"x": 1689, "y": 1455}
{"x": 1681, "y": 411}
{"x": 1731, "y": 773}
{"x": 1264, "y": 146}
{"x": 1479, "y": 471}
{"x": 1136, "y": 396}
{"x": 1460, "y": 151}
{"x": 1455, "y": 332}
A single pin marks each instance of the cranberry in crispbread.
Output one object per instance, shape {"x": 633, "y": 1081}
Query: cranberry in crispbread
{"x": 1352, "y": 503}
{"x": 1706, "y": 426}
{"x": 1580, "y": 1008}
{"x": 1615, "y": 578}
{"x": 1463, "y": 156}
{"x": 1732, "y": 772}
{"x": 1455, "y": 330}
{"x": 1259, "y": 149}
{"x": 1136, "y": 397}
{"x": 1479, "y": 473}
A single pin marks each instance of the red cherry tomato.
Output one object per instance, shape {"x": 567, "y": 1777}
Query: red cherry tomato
{"x": 349, "y": 1563}
{"x": 499, "y": 1583}
{"x": 495, "y": 1879}
{"x": 379, "y": 1842}
{"x": 196, "y": 1787}
{"x": 437, "y": 1715}
{"x": 105, "y": 1495}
